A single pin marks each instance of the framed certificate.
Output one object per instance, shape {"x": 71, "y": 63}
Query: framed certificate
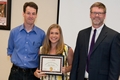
{"x": 51, "y": 64}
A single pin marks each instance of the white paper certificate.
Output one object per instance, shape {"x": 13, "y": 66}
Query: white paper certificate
{"x": 51, "y": 64}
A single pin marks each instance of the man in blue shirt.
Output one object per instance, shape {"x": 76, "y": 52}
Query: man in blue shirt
{"x": 23, "y": 45}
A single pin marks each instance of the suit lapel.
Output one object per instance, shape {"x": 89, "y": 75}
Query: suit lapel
{"x": 101, "y": 37}
{"x": 87, "y": 36}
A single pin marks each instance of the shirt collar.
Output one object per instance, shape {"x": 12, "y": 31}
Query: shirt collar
{"x": 23, "y": 28}
{"x": 98, "y": 29}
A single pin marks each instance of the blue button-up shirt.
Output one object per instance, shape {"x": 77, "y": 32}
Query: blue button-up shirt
{"x": 23, "y": 46}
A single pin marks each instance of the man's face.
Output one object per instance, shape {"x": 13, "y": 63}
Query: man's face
{"x": 97, "y": 16}
{"x": 29, "y": 15}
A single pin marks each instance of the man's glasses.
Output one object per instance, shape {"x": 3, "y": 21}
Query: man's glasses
{"x": 99, "y": 13}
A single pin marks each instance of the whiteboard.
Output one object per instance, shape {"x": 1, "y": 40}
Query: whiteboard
{"x": 74, "y": 16}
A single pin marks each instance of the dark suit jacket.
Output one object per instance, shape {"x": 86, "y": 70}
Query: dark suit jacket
{"x": 105, "y": 58}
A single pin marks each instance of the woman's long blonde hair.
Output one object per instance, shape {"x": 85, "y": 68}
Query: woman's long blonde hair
{"x": 47, "y": 44}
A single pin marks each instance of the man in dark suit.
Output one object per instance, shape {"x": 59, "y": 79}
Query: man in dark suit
{"x": 102, "y": 62}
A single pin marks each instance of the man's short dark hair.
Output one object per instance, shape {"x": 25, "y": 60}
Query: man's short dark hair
{"x": 30, "y": 4}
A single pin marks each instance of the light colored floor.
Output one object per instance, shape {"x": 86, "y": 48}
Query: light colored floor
{"x": 119, "y": 77}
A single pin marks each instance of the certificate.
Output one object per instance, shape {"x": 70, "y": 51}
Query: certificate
{"x": 51, "y": 64}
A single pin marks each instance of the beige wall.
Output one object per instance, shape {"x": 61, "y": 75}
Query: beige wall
{"x": 47, "y": 14}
